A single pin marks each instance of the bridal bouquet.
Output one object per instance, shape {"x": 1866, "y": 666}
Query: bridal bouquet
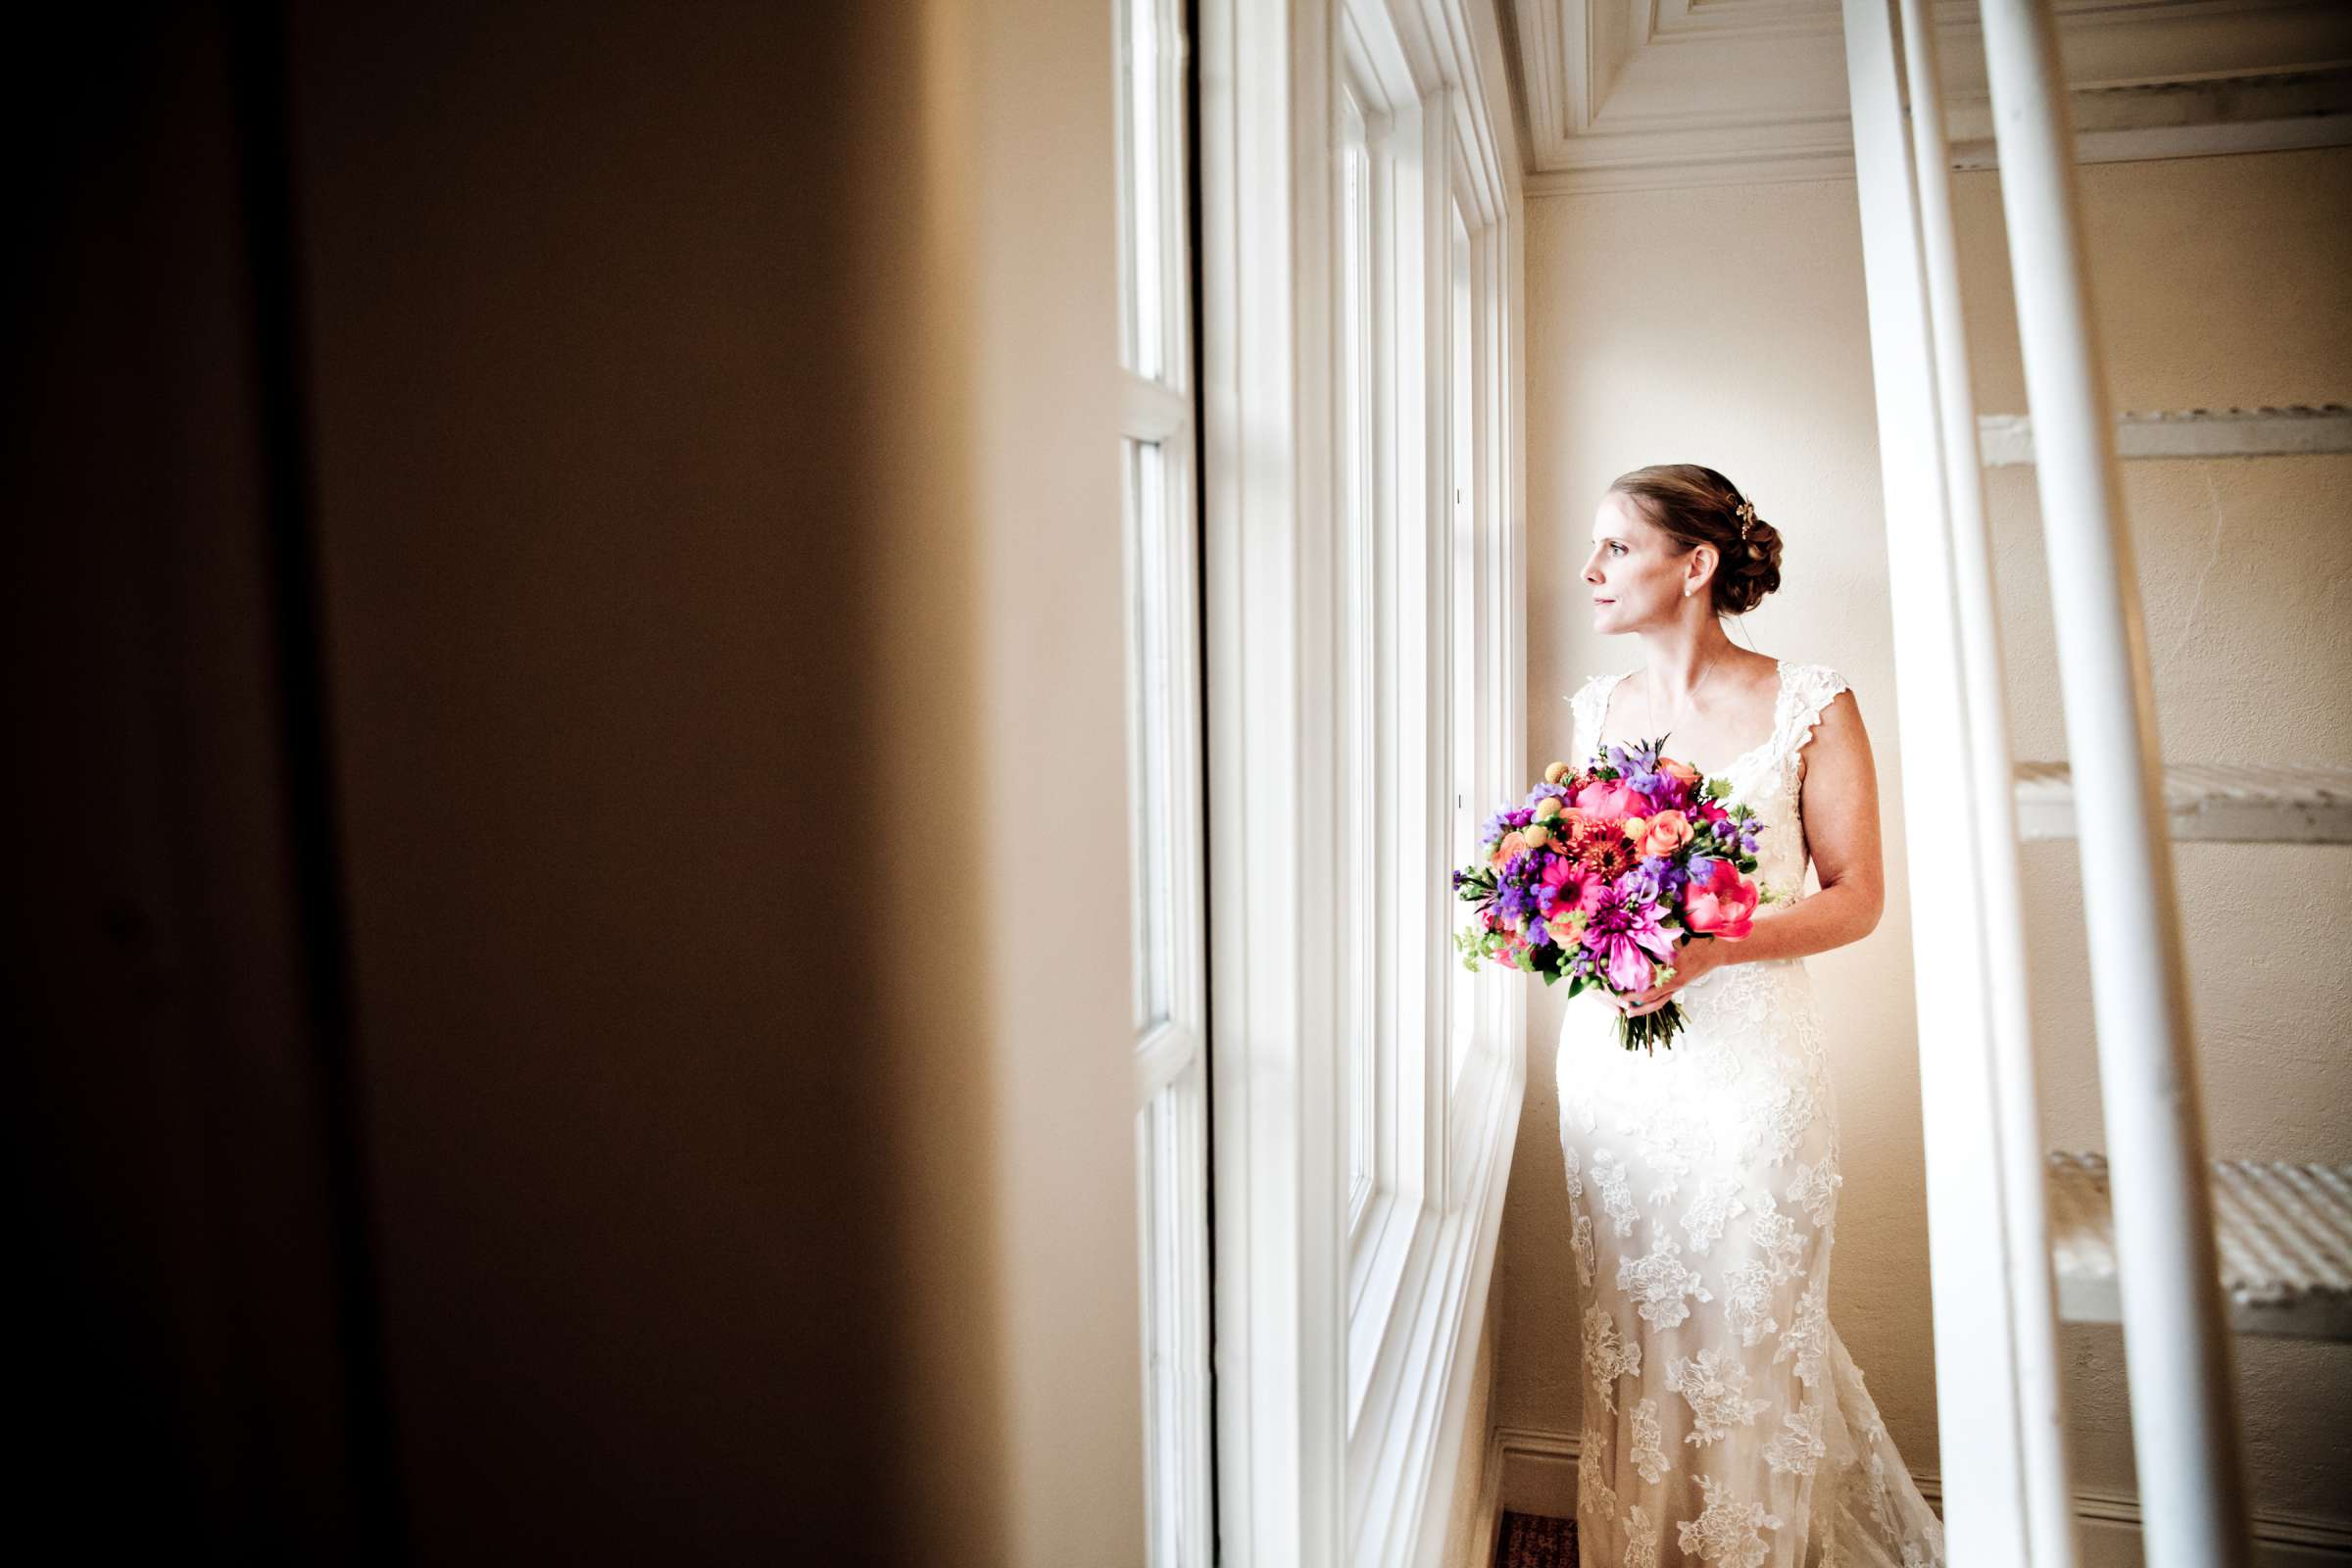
{"x": 1602, "y": 873}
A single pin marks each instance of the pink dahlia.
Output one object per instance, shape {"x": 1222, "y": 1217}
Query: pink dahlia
{"x": 1625, "y": 937}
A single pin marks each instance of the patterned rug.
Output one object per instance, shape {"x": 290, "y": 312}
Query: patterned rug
{"x": 1532, "y": 1540}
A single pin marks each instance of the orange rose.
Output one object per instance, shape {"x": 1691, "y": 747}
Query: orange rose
{"x": 1662, "y": 834}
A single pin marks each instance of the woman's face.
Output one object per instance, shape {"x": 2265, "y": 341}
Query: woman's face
{"x": 1634, "y": 571}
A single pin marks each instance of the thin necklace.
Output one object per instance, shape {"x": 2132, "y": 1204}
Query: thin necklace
{"x": 1704, "y": 677}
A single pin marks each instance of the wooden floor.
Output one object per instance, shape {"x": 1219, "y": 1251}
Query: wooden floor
{"x": 1532, "y": 1540}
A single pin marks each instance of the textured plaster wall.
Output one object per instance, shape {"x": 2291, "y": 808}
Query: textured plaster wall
{"x": 2219, "y": 281}
{"x": 1728, "y": 326}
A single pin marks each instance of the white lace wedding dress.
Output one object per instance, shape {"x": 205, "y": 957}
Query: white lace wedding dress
{"x": 1724, "y": 1421}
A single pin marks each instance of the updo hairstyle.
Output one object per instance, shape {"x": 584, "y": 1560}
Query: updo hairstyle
{"x": 1695, "y": 506}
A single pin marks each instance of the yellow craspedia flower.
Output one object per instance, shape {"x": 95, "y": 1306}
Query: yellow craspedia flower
{"x": 1536, "y": 834}
{"x": 1556, "y": 772}
{"x": 1547, "y": 808}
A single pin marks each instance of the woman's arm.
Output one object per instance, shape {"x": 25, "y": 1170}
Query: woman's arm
{"x": 1839, "y": 794}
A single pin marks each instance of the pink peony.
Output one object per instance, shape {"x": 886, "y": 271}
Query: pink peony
{"x": 1723, "y": 905}
{"x": 1613, "y": 800}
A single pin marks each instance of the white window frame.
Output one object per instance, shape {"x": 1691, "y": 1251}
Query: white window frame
{"x": 1346, "y": 1317}
{"x": 1381, "y": 654}
{"x": 1159, "y": 443}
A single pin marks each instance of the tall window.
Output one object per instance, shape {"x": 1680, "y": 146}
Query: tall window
{"x": 1388, "y": 720}
{"x": 1464, "y": 422}
{"x": 1165, "y": 749}
{"x": 1366, "y": 633}
{"x": 1419, "y": 620}
{"x": 1357, "y": 953}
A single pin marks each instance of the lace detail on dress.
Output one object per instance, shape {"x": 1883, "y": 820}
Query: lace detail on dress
{"x": 1641, "y": 1539}
{"x": 1816, "y": 1187}
{"x": 1703, "y": 1186}
{"x": 1584, "y": 705}
{"x": 1659, "y": 1281}
{"x": 1807, "y": 690}
{"x": 1748, "y": 1308}
{"x": 1717, "y": 1206}
{"x": 1607, "y": 1358}
{"x": 1716, "y": 1386}
{"x": 1807, "y": 1339}
{"x": 1726, "y": 1532}
{"x": 1800, "y": 1447}
{"x": 1649, "y": 1455}
{"x": 1616, "y": 1194}
{"x": 1593, "y": 1476}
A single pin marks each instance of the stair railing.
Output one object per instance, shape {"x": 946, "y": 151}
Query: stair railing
{"x": 2184, "y": 1430}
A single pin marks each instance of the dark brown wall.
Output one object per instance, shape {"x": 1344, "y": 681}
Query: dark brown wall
{"x": 595, "y": 408}
{"x": 489, "y": 985}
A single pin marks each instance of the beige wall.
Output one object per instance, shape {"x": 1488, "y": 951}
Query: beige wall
{"x": 720, "y": 512}
{"x": 1469, "y": 1523}
{"x": 1728, "y": 326}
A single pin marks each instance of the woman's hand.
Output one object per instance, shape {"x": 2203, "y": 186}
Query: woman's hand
{"x": 1692, "y": 959}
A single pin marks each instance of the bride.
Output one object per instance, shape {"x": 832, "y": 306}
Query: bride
{"x": 1724, "y": 1421}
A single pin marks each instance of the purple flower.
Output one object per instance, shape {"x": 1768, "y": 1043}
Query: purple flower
{"x": 1624, "y": 934}
{"x": 1630, "y": 759}
{"x": 1641, "y": 884}
{"x": 1668, "y": 876}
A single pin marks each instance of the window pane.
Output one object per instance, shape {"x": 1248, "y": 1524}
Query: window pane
{"x": 1462, "y": 652}
{"x": 1147, "y": 194}
{"x": 1149, "y": 738}
{"x": 1172, "y": 1172}
{"x": 1357, "y": 761}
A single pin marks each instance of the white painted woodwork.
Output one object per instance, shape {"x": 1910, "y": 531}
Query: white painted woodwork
{"x": 2185, "y": 1438}
{"x": 2285, "y": 1233}
{"x": 1280, "y": 1368}
{"x": 1168, "y": 855}
{"x": 2006, "y": 440}
{"x": 1959, "y": 942}
{"x": 2242, "y": 802}
{"x": 1343, "y": 1390}
{"x": 1641, "y": 94}
{"x": 2044, "y": 1468}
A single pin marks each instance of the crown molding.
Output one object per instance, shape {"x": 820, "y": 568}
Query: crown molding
{"x": 1643, "y": 94}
